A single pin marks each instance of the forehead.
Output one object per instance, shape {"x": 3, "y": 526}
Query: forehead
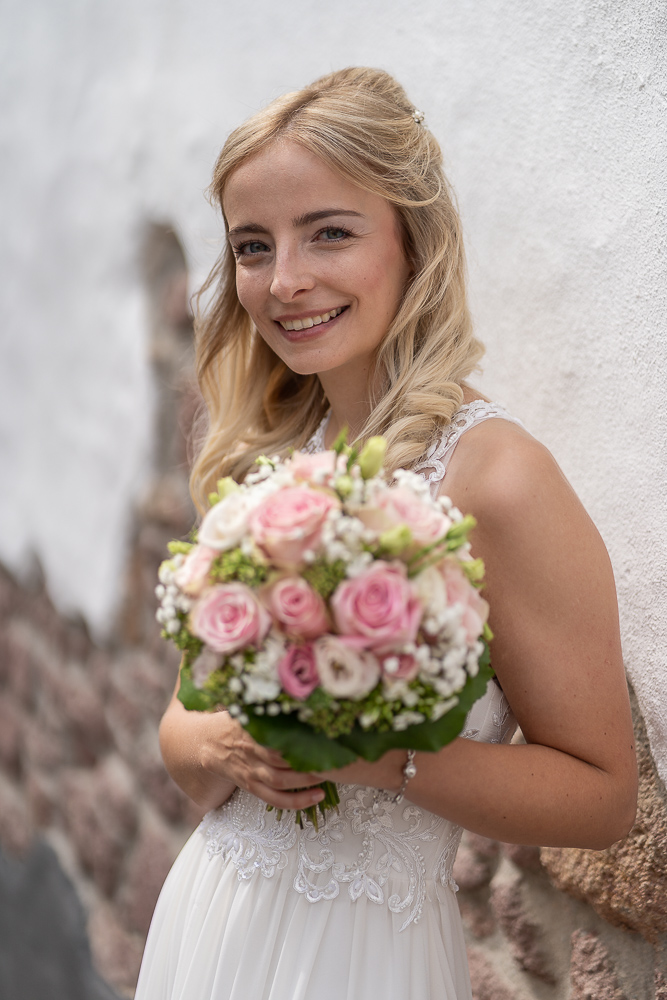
{"x": 286, "y": 180}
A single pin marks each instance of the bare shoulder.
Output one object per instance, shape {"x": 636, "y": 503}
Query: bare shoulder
{"x": 498, "y": 469}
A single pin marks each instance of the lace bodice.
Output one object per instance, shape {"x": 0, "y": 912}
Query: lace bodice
{"x": 397, "y": 855}
{"x": 434, "y": 465}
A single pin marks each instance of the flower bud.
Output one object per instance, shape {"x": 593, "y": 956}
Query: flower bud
{"x": 395, "y": 540}
{"x": 226, "y": 486}
{"x": 372, "y": 457}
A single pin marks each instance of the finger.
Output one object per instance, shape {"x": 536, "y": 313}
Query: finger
{"x": 287, "y": 800}
{"x": 283, "y": 780}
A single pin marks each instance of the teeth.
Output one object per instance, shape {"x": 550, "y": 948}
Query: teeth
{"x": 305, "y": 324}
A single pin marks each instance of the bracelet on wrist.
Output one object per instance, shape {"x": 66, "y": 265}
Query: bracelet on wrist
{"x": 409, "y": 771}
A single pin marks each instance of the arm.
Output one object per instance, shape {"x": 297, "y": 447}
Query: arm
{"x": 556, "y": 653}
{"x": 209, "y": 755}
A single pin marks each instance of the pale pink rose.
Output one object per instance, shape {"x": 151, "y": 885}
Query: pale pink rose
{"x": 192, "y": 576}
{"x": 379, "y": 605}
{"x": 297, "y": 672}
{"x": 229, "y": 617}
{"x": 400, "y": 668}
{"x": 401, "y": 505}
{"x": 297, "y": 606}
{"x": 345, "y": 672}
{"x": 303, "y": 466}
{"x": 461, "y": 591}
{"x": 289, "y": 522}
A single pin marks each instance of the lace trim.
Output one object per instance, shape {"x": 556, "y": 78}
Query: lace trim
{"x": 315, "y": 443}
{"x": 253, "y": 840}
{"x": 438, "y": 455}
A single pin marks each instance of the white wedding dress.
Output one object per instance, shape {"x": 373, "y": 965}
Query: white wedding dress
{"x": 255, "y": 908}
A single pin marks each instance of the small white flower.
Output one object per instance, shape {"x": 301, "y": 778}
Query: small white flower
{"x": 235, "y": 685}
{"x": 273, "y": 709}
{"x": 442, "y": 708}
{"x": 173, "y": 626}
{"x": 391, "y": 664}
{"x": 160, "y": 591}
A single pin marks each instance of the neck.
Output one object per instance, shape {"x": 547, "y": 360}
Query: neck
{"x": 348, "y": 397}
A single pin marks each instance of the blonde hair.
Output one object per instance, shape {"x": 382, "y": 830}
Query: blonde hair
{"x": 360, "y": 122}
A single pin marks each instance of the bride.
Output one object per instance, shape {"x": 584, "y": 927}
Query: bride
{"x": 339, "y": 300}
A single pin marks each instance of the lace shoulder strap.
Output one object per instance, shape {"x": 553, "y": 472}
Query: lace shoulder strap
{"x": 434, "y": 466}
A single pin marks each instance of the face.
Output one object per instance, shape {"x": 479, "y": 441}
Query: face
{"x": 320, "y": 266}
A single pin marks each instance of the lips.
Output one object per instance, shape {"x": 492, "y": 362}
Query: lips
{"x": 309, "y": 321}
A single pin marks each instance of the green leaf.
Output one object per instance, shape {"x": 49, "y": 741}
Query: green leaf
{"x": 427, "y": 735}
{"x": 190, "y": 696}
{"x": 301, "y": 746}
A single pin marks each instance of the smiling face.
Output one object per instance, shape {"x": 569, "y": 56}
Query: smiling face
{"x": 320, "y": 266}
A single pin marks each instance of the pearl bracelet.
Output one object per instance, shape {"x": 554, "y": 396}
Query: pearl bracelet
{"x": 409, "y": 771}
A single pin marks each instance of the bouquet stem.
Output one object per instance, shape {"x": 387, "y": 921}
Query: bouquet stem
{"x": 330, "y": 801}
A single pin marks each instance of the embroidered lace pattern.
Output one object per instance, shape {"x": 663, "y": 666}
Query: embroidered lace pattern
{"x": 434, "y": 465}
{"x": 393, "y": 854}
{"x": 390, "y": 853}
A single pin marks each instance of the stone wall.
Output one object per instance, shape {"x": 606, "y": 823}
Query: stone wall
{"x": 80, "y": 766}
{"x": 562, "y": 924}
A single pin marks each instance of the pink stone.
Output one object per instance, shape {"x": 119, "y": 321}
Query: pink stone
{"x": 486, "y": 983}
{"x": 147, "y": 868}
{"x": 523, "y": 934}
{"x": 592, "y": 974}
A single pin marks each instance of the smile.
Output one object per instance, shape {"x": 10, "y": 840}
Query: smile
{"x": 305, "y": 324}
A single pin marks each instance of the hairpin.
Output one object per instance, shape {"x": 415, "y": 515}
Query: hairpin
{"x": 418, "y": 116}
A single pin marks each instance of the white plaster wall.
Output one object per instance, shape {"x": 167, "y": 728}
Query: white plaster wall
{"x": 552, "y": 117}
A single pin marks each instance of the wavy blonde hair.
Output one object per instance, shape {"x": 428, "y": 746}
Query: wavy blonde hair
{"x": 360, "y": 122}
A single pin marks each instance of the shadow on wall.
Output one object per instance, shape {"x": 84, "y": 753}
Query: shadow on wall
{"x": 80, "y": 767}
{"x": 40, "y": 915}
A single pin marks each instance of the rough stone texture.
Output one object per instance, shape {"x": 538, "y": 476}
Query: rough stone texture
{"x": 592, "y": 973}
{"x": 523, "y": 934}
{"x": 486, "y": 982}
{"x": 626, "y": 884}
{"x": 79, "y": 755}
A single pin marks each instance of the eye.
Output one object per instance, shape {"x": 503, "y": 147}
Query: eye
{"x": 250, "y": 249}
{"x": 333, "y": 234}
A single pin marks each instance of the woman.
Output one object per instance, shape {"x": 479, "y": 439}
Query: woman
{"x": 340, "y": 300}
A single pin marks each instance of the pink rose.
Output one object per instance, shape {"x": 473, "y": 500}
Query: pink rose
{"x": 345, "y": 672}
{"x": 379, "y": 605}
{"x": 460, "y": 591}
{"x": 297, "y": 672}
{"x": 400, "y": 668}
{"x": 401, "y": 505}
{"x": 303, "y": 466}
{"x": 296, "y": 606}
{"x": 229, "y": 617}
{"x": 192, "y": 576}
{"x": 289, "y": 522}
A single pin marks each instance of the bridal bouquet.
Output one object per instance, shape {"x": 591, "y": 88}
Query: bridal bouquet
{"x": 335, "y": 614}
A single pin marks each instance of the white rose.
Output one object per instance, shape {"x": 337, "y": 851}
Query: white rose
{"x": 225, "y": 524}
{"x": 431, "y": 591}
{"x": 343, "y": 671}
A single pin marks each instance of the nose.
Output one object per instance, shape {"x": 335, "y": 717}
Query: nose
{"x": 291, "y": 276}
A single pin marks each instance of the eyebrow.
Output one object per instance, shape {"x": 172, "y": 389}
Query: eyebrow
{"x": 300, "y": 220}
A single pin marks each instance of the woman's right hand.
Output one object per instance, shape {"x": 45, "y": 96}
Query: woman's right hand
{"x": 209, "y": 755}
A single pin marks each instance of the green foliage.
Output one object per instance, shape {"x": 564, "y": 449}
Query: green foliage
{"x": 177, "y": 547}
{"x": 324, "y": 577}
{"x": 190, "y": 696}
{"x": 234, "y": 565}
{"x": 184, "y": 640}
{"x": 304, "y": 749}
